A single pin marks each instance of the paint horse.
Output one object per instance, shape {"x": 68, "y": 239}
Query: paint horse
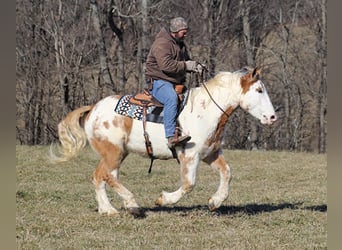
{"x": 114, "y": 136}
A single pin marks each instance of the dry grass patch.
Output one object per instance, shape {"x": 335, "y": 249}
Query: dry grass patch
{"x": 277, "y": 201}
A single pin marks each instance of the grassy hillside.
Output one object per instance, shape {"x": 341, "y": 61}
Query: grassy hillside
{"x": 278, "y": 200}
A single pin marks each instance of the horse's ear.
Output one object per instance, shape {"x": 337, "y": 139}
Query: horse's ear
{"x": 256, "y": 72}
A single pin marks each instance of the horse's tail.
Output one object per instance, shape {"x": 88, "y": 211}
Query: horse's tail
{"x": 71, "y": 135}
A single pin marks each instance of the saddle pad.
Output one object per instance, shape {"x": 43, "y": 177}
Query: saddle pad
{"x": 124, "y": 107}
{"x": 153, "y": 113}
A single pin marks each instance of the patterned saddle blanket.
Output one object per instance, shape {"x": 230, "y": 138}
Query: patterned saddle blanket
{"x": 154, "y": 114}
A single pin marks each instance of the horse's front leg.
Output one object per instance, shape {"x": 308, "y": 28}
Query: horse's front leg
{"x": 217, "y": 161}
{"x": 189, "y": 165}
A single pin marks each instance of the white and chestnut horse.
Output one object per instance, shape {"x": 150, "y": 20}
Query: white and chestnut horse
{"x": 203, "y": 117}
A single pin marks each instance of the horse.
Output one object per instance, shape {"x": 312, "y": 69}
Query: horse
{"x": 113, "y": 136}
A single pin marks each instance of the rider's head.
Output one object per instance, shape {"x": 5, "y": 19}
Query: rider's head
{"x": 178, "y": 28}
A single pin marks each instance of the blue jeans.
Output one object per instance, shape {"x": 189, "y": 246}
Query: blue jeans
{"x": 165, "y": 93}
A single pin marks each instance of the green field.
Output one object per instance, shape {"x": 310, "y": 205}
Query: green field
{"x": 278, "y": 200}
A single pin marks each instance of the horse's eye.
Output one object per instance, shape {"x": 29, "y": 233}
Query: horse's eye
{"x": 259, "y": 90}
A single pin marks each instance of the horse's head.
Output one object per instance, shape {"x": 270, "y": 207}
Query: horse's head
{"x": 254, "y": 98}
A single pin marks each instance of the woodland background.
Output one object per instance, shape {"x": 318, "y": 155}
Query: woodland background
{"x": 73, "y": 53}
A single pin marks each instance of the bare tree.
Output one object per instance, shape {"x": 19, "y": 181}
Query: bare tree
{"x": 104, "y": 68}
{"x": 246, "y": 35}
{"x": 49, "y": 66}
{"x": 323, "y": 86}
{"x": 33, "y": 68}
{"x": 142, "y": 55}
{"x": 71, "y": 53}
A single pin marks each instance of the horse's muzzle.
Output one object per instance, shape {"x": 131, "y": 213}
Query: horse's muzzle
{"x": 269, "y": 120}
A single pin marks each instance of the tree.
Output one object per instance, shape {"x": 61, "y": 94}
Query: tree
{"x": 73, "y": 53}
{"x": 322, "y": 97}
{"x": 104, "y": 68}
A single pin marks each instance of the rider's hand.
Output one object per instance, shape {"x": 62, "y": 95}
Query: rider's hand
{"x": 200, "y": 68}
{"x": 191, "y": 66}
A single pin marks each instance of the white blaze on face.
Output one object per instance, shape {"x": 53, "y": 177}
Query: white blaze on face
{"x": 257, "y": 102}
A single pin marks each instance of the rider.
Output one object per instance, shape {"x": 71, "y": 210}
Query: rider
{"x": 166, "y": 65}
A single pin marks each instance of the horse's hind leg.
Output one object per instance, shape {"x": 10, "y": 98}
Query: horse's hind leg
{"x": 218, "y": 162}
{"x": 99, "y": 182}
{"x": 108, "y": 173}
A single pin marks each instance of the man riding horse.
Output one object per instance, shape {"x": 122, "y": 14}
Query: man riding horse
{"x": 166, "y": 67}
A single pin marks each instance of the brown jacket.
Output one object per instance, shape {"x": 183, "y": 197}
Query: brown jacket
{"x": 166, "y": 59}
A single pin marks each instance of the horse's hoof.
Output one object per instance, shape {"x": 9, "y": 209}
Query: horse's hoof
{"x": 159, "y": 201}
{"x": 109, "y": 212}
{"x": 137, "y": 212}
{"x": 212, "y": 206}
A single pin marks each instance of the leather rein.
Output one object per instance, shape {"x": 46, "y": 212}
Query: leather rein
{"x": 205, "y": 87}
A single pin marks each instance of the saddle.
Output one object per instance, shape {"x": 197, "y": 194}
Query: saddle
{"x": 146, "y": 100}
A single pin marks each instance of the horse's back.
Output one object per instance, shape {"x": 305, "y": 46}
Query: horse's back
{"x": 104, "y": 109}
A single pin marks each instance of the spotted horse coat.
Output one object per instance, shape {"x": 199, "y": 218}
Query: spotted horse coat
{"x": 204, "y": 117}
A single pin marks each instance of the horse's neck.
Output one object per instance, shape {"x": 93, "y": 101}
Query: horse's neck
{"x": 214, "y": 97}
{"x": 208, "y": 109}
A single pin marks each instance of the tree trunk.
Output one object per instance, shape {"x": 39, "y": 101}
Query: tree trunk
{"x": 144, "y": 37}
{"x": 245, "y": 10}
{"x": 104, "y": 69}
{"x": 58, "y": 44}
{"x": 120, "y": 50}
{"x": 286, "y": 96}
{"x": 323, "y": 88}
{"x": 213, "y": 39}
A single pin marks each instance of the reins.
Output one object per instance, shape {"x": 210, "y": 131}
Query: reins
{"x": 205, "y": 87}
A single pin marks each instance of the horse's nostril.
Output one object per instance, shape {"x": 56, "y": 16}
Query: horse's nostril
{"x": 273, "y": 118}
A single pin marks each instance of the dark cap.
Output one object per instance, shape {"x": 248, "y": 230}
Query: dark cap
{"x": 177, "y": 24}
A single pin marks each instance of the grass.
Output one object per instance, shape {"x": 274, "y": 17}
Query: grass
{"x": 277, "y": 201}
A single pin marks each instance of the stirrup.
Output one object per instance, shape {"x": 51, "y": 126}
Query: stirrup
{"x": 181, "y": 140}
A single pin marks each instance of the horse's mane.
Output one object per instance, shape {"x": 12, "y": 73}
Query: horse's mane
{"x": 226, "y": 77}
{"x": 243, "y": 71}
{"x": 223, "y": 79}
